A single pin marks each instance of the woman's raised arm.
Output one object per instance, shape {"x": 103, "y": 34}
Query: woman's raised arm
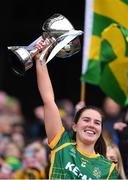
{"x": 52, "y": 119}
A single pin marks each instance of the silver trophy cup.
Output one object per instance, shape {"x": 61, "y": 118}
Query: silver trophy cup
{"x": 59, "y": 38}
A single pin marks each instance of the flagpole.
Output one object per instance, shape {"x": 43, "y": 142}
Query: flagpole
{"x": 82, "y": 93}
{"x": 88, "y": 14}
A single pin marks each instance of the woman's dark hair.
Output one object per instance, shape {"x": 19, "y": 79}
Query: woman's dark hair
{"x": 100, "y": 146}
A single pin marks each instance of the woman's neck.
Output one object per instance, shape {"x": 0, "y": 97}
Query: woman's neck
{"x": 86, "y": 147}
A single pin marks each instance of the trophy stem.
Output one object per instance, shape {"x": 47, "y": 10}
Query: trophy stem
{"x": 44, "y": 45}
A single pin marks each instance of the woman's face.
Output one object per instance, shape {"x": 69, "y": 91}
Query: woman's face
{"x": 111, "y": 154}
{"x": 89, "y": 126}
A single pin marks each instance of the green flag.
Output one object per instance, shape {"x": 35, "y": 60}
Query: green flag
{"x": 107, "y": 59}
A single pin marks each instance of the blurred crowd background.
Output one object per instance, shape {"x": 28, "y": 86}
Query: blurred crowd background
{"x": 24, "y": 153}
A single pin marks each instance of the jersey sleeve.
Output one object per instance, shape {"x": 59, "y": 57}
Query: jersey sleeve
{"x": 61, "y": 138}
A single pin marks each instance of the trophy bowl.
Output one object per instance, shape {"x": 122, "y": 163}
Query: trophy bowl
{"x": 57, "y": 25}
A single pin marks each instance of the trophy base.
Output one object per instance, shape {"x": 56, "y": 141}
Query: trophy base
{"x": 20, "y": 60}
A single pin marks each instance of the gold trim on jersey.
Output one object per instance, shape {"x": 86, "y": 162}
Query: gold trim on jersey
{"x": 53, "y": 153}
{"x": 87, "y": 154}
{"x": 57, "y": 137}
{"x": 111, "y": 169}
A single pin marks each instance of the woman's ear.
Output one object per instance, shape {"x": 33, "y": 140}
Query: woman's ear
{"x": 74, "y": 127}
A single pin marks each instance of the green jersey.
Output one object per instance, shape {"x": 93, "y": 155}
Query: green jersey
{"x": 69, "y": 162}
